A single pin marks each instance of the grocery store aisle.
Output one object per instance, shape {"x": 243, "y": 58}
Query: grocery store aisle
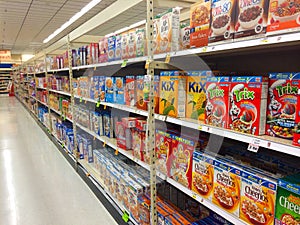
{"x": 37, "y": 185}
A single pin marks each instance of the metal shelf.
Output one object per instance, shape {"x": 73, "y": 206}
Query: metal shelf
{"x": 43, "y": 103}
{"x": 60, "y": 114}
{"x": 60, "y": 92}
{"x": 41, "y": 88}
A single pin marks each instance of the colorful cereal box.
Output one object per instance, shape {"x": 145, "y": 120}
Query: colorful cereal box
{"x": 248, "y": 103}
{"x": 217, "y": 106}
{"x": 111, "y": 48}
{"x": 131, "y": 41}
{"x": 203, "y": 175}
{"x": 177, "y": 219}
{"x": 169, "y": 30}
{"x": 156, "y": 34}
{"x": 222, "y": 21}
{"x": 109, "y": 90}
{"x": 283, "y": 16}
{"x": 94, "y": 87}
{"x": 282, "y": 102}
{"x": 140, "y": 104}
{"x": 199, "y": 23}
{"x": 163, "y": 144}
{"x": 123, "y": 134}
{"x": 130, "y": 91}
{"x": 258, "y": 195}
{"x": 296, "y": 139}
{"x": 196, "y": 94}
{"x": 103, "y": 49}
{"x": 251, "y": 18}
{"x": 184, "y": 41}
{"x": 124, "y": 45}
{"x": 288, "y": 201}
{"x": 144, "y": 210}
{"x": 172, "y": 88}
{"x": 102, "y": 80}
{"x": 226, "y": 189}
{"x": 118, "y": 49}
{"x": 119, "y": 89}
{"x": 140, "y": 42}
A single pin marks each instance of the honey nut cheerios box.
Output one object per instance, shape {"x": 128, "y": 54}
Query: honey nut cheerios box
{"x": 226, "y": 189}
{"x": 258, "y": 195}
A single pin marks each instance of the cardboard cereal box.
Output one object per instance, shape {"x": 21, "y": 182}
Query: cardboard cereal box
{"x": 140, "y": 103}
{"x": 251, "y": 19}
{"x": 94, "y": 87}
{"x": 119, "y": 89}
{"x": 172, "y": 91}
{"x": 258, "y": 195}
{"x": 180, "y": 160}
{"x": 169, "y": 30}
{"x": 111, "y": 48}
{"x": 163, "y": 144}
{"x": 222, "y": 21}
{"x": 131, "y": 42}
{"x": 217, "y": 106}
{"x": 283, "y": 16}
{"x": 130, "y": 91}
{"x": 101, "y": 92}
{"x": 140, "y": 41}
{"x": 226, "y": 189}
{"x": 196, "y": 94}
{"x": 109, "y": 90}
{"x": 124, "y": 45}
{"x": 203, "y": 175}
{"x": 282, "y": 102}
{"x": 248, "y": 103}
{"x": 144, "y": 210}
{"x": 184, "y": 40}
{"x": 288, "y": 201}
{"x": 199, "y": 23}
{"x": 296, "y": 139}
{"x": 156, "y": 34}
{"x": 103, "y": 49}
{"x": 118, "y": 49}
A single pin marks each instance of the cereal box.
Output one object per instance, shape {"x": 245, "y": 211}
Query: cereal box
{"x": 248, "y": 103}
{"x": 163, "y": 144}
{"x": 123, "y": 134}
{"x": 107, "y": 125}
{"x": 140, "y": 42}
{"x": 103, "y": 49}
{"x": 94, "y": 87}
{"x": 199, "y": 23}
{"x": 172, "y": 88}
{"x": 288, "y": 201}
{"x": 180, "y": 159}
{"x": 118, "y": 49}
{"x": 124, "y": 45}
{"x": 251, "y": 18}
{"x": 282, "y": 102}
{"x": 140, "y": 104}
{"x": 296, "y": 139}
{"x": 111, "y": 48}
{"x": 156, "y": 34}
{"x": 203, "y": 175}
{"x": 131, "y": 41}
{"x": 137, "y": 144}
{"x": 217, "y": 106}
{"x": 222, "y": 20}
{"x": 176, "y": 219}
{"x": 102, "y": 80}
{"x": 226, "y": 189}
{"x": 283, "y": 16}
{"x": 144, "y": 210}
{"x": 109, "y": 90}
{"x": 196, "y": 94}
{"x": 130, "y": 91}
{"x": 258, "y": 195}
{"x": 169, "y": 30}
{"x": 184, "y": 41}
{"x": 119, "y": 89}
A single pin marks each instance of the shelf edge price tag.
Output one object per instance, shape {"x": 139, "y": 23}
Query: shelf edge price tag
{"x": 168, "y": 58}
{"x": 204, "y": 49}
{"x": 80, "y": 100}
{"x": 125, "y": 216}
{"x": 104, "y": 106}
{"x": 147, "y": 64}
{"x": 254, "y": 145}
{"x": 194, "y": 196}
{"x": 124, "y": 63}
{"x": 104, "y": 144}
{"x": 117, "y": 151}
{"x": 97, "y": 104}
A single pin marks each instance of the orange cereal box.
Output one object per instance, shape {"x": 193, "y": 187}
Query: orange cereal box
{"x": 258, "y": 195}
{"x": 226, "y": 189}
{"x": 172, "y": 91}
{"x": 203, "y": 175}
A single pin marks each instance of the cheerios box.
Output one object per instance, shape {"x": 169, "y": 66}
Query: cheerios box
{"x": 109, "y": 90}
{"x": 196, "y": 94}
{"x": 172, "y": 91}
{"x": 258, "y": 196}
{"x": 288, "y": 200}
{"x": 248, "y": 104}
{"x": 217, "y": 105}
{"x": 163, "y": 144}
{"x": 119, "y": 83}
{"x": 203, "y": 175}
{"x": 282, "y": 103}
{"x": 226, "y": 188}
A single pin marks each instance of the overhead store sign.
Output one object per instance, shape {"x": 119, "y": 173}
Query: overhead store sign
{"x": 5, "y": 55}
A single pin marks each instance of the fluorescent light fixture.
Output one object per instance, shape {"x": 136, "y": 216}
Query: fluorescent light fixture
{"x": 140, "y": 23}
{"x": 83, "y": 11}
{"x": 26, "y": 57}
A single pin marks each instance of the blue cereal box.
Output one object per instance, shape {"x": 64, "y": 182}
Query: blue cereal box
{"x": 119, "y": 89}
{"x": 118, "y": 50}
{"x": 109, "y": 90}
{"x": 111, "y": 48}
{"x": 94, "y": 87}
{"x": 101, "y": 85}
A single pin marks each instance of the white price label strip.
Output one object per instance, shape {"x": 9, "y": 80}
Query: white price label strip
{"x": 254, "y": 145}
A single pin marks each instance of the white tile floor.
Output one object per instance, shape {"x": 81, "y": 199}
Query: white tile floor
{"x": 37, "y": 185}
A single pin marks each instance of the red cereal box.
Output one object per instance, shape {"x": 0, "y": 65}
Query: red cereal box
{"x": 124, "y": 135}
{"x": 282, "y": 102}
{"x": 141, "y": 125}
{"x": 129, "y": 122}
{"x": 130, "y": 92}
{"x": 163, "y": 144}
{"x": 217, "y": 106}
{"x": 248, "y": 103}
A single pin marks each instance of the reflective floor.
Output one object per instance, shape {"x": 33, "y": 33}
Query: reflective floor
{"x": 37, "y": 185}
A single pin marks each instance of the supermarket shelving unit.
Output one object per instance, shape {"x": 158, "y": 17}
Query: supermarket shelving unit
{"x": 262, "y": 48}
{"x": 5, "y": 79}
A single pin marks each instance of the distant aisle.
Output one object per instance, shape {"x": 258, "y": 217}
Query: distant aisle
{"x": 37, "y": 185}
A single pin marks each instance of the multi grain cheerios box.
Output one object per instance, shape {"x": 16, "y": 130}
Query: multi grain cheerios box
{"x": 172, "y": 91}
{"x": 258, "y": 195}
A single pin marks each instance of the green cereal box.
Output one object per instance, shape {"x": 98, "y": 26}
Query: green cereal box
{"x": 288, "y": 201}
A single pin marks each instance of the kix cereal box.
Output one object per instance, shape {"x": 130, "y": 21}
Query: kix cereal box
{"x": 226, "y": 189}
{"x": 196, "y": 94}
{"x": 119, "y": 89}
{"x": 282, "y": 102}
{"x": 199, "y": 23}
{"x": 288, "y": 201}
{"x": 248, "y": 103}
{"x": 163, "y": 145}
{"x": 203, "y": 175}
{"x": 258, "y": 195}
{"x": 217, "y": 105}
{"x": 172, "y": 91}
{"x": 130, "y": 91}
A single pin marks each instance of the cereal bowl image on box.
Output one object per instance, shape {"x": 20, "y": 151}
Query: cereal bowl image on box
{"x": 220, "y": 24}
{"x": 251, "y": 17}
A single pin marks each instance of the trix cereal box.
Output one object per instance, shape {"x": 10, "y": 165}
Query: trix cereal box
{"x": 222, "y": 21}
{"x": 196, "y": 94}
{"x": 199, "y": 23}
{"x": 217, "y": 106}
{"x": 282, "y": 102}
{"x": 163, "y": 144}
{"x": 130, "y": 91}
{"x": 226, "y": 190}
{"x": 288, "y": 201}
{"x": 172, "y": 88}
{"x": 248, "y": 103}
{"x": 257, "y": 199}
{"x": 283, "y": 16}
{"x": 203, "y": 175}
{"x": 251, "y": 18}
{"x": 120, "y": 88}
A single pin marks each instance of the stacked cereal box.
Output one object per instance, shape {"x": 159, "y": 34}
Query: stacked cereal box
{"x": 111, "y": 48}
{"x": 140, "y": 42}
{"x": 119, "y": 90}
{"x": 130, "y": 91}
{"x": 103, "y": 49}
{"x": 184, "y": 41}
{"x": 296, "y": 139}
{"x": 163, "y": 144}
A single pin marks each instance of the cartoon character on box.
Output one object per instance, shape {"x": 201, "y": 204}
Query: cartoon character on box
{"x": 282, "y": 102}
{"x": 163, "y": 144}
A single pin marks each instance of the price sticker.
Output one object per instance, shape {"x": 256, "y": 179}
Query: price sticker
{"x": 194, "y": 196}
{"x": 117, "y": 152}
{"x": 94, "y": 138}
{"x": 265, "y": 40}
{"x": 95, "y": 68}
{"x": 65, "y": 117}
{"x": 104, "y": 106}
{"x": 147, "y": 64}
{"x": 124, "y": 63}
{"x": 200, "y": 127}
{"x": 204, "y": 49}
{"x": 63, "y": 145}
{"x": 80, "y": 100}
{"x": 168, "y": 58}
{"x": 104, "y": 144}
{"x": 254, "y": 145}
{"x": 98, "y": 104}
{"x": 87, "y": 174}
{"x": 125, "y": 216}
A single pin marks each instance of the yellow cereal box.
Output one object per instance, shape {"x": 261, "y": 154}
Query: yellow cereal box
{"x": 196, "y": 94}
{"x": 172, "y": 91}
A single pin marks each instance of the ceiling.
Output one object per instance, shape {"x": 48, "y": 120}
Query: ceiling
{"x": 24, "y": 24}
